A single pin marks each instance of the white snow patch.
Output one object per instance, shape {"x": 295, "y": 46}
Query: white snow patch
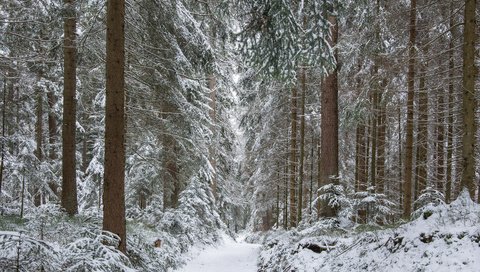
{"x": 230, "y": 255}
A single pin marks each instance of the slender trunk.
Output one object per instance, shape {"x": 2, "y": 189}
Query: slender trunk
{"x": 52, "y": 135}
{"x": 440, "y": 127}
{"x": 293, "y": 159}
{"x": 39, "y": 141}
{"x": 469, "y": 104}
{"x": 69, "y": 183}
{"x": 407, "y": 188}
{"x": 382, "y": 140}
{"x": 451, "y": 98}
{"x": 373, "y": 139}
{"x": 310, "y": 190}
{"x": 2, "y": 142}
{"x": 422, "y": 136}
{"x": 302, "y": 145}
{"x": 400, "y": 155}
{"x": 22, "y": 197}
{"x": 285, "y": 193}
{"x": 114, "y": 184}
{"x": 213, "y": 116}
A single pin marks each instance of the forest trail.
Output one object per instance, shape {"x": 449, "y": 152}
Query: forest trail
{"x": 229, "y": 256}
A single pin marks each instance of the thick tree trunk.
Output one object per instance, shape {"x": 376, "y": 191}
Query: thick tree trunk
{"x": 329, "y": 123}
{"x": 469, "y": 104}
{"x": 69, "y": 183}
{"x": 114, "y": 183}
{"x": 407, "y": 185}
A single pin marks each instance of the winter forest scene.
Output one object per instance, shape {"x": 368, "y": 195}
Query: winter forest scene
{"x": 239, "y": 136}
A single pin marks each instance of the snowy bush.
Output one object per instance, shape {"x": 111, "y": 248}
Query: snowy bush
{"x": 95, "y": 251}
{"x": 428, "y": 199}
{"x": 376, "y": 206}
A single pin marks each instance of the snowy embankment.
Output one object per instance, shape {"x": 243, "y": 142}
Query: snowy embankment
{"x": 228, "y": 256}
{"x": 446, "y": 238}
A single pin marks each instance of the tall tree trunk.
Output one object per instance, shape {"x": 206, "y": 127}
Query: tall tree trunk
{"x": 52, "y": 135}
{"x": 69, "y": 183}
{"x": 469, "y": 103}
{"x": 382, "y": 140}
{"x": 302, "y": 145}
{"x": 407, "y": 185}
{"x": 2, "y": 142}
{"x": 213, "y": 116}
{"x": 293, "y": 159}
{"x": 39, "y": 140}
{"x": 422, "y": 136}
{"x": 451, "y": 98}
{"x": 329, "y": 123}
{"x": 114, "y": 183}
{"x": 440, "y": 127}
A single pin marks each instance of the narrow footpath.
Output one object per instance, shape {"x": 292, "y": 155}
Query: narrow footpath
{"x": 229, "y": 256}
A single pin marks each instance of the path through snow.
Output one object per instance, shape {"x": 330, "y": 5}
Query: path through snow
{"x": 229, "y": 256}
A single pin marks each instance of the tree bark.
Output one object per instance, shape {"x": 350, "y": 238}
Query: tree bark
{"x": 69, "y": 183}
{"x": 329, "y": 123}
{"x": 39, "y": 151}
{"x": 2, "y": 142}
{"x": 52, "y": 136}
{"x": 451, "y": 98}
{"x": 293, "y": 159}
{"x": 302, "y": 145}
{"x": 422, "y": 136}
{"x": 114, "y": 183}
{"x": 408, "y": 163}
{"x": 469, "y": 104}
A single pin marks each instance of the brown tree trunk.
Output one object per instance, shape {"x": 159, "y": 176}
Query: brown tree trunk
{"x": 213, "y": 116}
{"x": 440, "y": 127}
{"x": 293, "y": 160}
{"x": 2, "y": 142}
{"x": 114, "y": 180}
{"x": 52, "y": 135}
{"x": 382, "y": 140}
{"x": 69, "y": 183}
{"x": 39, "y": 140}
{"x": 469, "y": 103}
{"x": 329, "y": 123}
{"x": 302, "y": 146}
{"x": 422, "y": 136}
{"x": 451, "y": 98}
{"x": 407, "y": 185}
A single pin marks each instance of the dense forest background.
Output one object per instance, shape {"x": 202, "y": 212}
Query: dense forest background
{"x": 239, "y": 115}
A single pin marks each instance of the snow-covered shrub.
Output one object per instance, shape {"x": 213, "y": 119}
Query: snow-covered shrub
{"x": 336, "y": 197}
{"x": 20, "y": 252}
{"x": 95, "y": 251}
{"x": 377, "y": 206}
{"x": 428, "y": 199}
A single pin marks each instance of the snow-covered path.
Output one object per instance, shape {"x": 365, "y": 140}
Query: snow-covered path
{"x": 230, "y": 256}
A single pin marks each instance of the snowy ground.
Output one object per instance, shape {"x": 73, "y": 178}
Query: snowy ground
{"x": 229, "y": 256}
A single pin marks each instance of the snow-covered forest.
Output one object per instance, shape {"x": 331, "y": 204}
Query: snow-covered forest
{"x": 228, "y": 135}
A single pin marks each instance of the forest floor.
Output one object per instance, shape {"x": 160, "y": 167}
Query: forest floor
{"x": 229, "y": 255}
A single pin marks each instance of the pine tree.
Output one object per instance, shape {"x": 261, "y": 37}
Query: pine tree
{"x": 69, "y": 182}
{"x": 114, "y": 179}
